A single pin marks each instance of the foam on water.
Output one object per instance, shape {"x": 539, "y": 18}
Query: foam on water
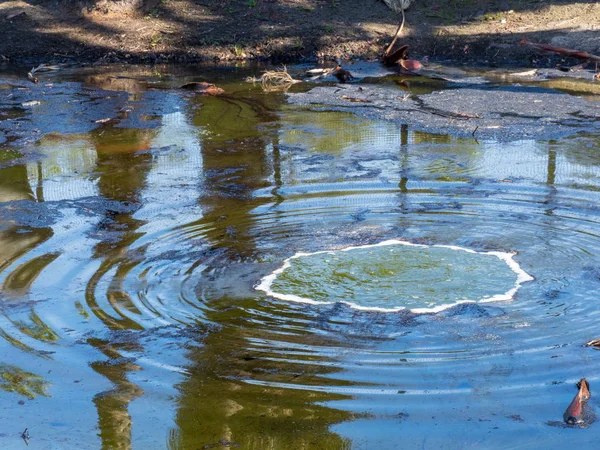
{"x": 267, "y": 283}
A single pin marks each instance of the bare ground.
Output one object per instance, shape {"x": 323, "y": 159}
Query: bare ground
{"x": 478, "y": 31}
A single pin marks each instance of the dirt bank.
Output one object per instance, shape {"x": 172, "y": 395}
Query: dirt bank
{"x": 479, "y": 31}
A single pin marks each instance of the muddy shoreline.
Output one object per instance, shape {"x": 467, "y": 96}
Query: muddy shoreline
{"x": 502, "y": 114}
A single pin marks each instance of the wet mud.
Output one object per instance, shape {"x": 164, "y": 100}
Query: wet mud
{"x": 505, "y": 113}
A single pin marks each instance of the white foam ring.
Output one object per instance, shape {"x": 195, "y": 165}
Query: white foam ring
{"x": 266, "y": 282}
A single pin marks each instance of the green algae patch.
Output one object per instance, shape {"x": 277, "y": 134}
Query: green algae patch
{"x": 396, "y": 275}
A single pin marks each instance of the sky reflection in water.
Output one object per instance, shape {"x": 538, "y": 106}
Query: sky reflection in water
{"x": 129, "y": 255}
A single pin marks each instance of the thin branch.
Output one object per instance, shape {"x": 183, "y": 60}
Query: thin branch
{"x": 398, "y": 32}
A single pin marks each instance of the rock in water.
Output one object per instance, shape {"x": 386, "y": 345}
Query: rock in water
{"x": 575, "y": 412}
{"x": 203, "y": 88}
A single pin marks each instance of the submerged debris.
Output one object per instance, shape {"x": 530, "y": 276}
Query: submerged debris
{"x": 203, "y": 88}
{"x": 575, "y": 412}
{"x": 355, "y": 99}
{"x": 15, "y": 14}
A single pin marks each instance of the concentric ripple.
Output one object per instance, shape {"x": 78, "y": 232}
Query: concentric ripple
{"x": 130, "y": 256}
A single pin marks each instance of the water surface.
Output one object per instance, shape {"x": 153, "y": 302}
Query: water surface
{"x": 130, "y": 250}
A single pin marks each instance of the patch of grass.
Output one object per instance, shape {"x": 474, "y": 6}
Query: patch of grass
{"x": 239, "y": 52}
{"x": 492, "y": 16}
{"x": 156, "y": 39}
{"x": 251, "y": 3}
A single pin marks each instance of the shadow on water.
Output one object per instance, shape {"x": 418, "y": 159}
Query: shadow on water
{"x": 130, "y": 252}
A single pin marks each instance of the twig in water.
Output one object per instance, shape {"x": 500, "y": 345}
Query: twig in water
{"x": 25, "y": 435}
{"x": 473, "y": 133}
{"x": 561, "y": 51}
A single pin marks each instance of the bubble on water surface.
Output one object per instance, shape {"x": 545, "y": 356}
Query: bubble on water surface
{"x": 395, "y": 275}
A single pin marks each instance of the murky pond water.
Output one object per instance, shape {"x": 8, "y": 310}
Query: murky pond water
{"x": 130, "y": 250}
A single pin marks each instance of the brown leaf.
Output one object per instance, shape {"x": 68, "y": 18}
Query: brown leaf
{"x": 390, "y": 60}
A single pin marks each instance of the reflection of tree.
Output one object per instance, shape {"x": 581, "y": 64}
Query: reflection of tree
{"x": 421, "y": 137}
{"x": 236, "y": 162}
{"x": 114, "y": 420}
{"x": 21, "y": 279}
{"x": 15, "y": 242}
{"x": 581, "y": 150}
{"x": 403, "y": 165}
{"x": 550, "y": 180}
{"x": 13, "y": 379}
{"x": 215, "y": 405}
{"x": 328, "y": 131}
{"x": 122, "y": 172}
{"x": 240, "y": 153}
{"x": 14, "y": 184}
{"x": 36, "y": 328}
{"x": 452, "y": 157}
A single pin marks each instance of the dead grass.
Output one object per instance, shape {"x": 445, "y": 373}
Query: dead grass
{"x": 275, "y": 80}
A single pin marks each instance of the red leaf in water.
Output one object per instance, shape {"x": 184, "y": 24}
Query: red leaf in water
{"x": 411, "y": 65}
